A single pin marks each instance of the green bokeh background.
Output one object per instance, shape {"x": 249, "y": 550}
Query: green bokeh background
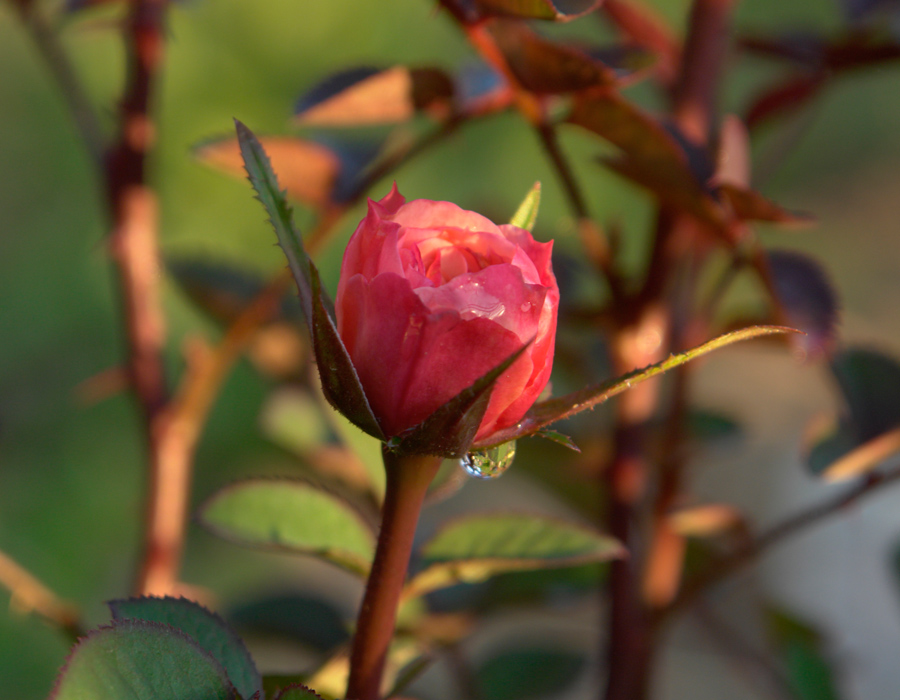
{"x": 70, "y": 475}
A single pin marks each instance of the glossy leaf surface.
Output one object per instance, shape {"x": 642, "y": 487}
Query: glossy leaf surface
{"x": 138, "y": 660}
{"x": 474, "y": 548}
{"x": 206, "y": 628}
{"x": 290, "y": 516}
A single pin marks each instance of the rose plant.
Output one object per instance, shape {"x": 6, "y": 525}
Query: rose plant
{"x": 431, "y": 297}
{"x": 441, "y": 339}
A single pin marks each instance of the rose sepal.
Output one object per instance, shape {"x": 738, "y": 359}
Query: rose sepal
{"x": 340, "y": 382}
{"x": 451, "y": 429}
{"x": 546, "y": 412}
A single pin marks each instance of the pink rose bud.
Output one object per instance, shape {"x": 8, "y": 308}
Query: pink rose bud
{"x": 432, "y": 297}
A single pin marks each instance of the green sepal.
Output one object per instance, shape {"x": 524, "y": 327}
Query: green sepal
{"x": 340, "y": 383}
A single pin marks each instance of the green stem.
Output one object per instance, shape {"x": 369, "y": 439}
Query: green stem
{"x": 408, "y": 479}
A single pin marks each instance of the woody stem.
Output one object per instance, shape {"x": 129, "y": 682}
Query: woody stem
{"x": 408, "y": 478}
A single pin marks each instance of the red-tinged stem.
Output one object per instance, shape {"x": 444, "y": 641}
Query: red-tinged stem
{"x": 135, "y": 251}
{"x": 408, "y": 479}
{"x": 762, "y": 543}
{"x": 709, "y": 33}
{"x": 632, "y": 640}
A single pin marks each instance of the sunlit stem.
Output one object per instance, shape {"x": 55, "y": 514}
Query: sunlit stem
{"x": 408, "y": 479}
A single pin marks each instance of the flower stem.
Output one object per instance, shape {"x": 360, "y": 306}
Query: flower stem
{"x": 408, "y": 479}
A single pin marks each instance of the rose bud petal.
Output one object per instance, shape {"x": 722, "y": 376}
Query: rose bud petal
{"x": 431, "y": 297}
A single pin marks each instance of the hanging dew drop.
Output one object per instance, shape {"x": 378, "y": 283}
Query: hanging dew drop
{"x": 489, "y": 464}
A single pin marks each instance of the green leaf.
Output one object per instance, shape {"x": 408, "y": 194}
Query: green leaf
{"x": 558, "y": 438}
{"x": 528, "y": 673}
{"x": 800, "y": 647}
{"x": 830, "y": 449}
{"x": 449, "y": 431}
{"x": 223, "y": 289}
{"x": 313, "y": 621}
{"x": 558, "y": 10}
{"x": 138, "y": 660}
{"x": 474, "y": 548}
{"x": 293, "y": 419}
{"x": 707, "y": 425}
{"x": 290, "y": 516}
{"x": 340, "y": 382}
{"x": 809, "y": 673}
{"x": 870, "y": 383}
{"x": 547, "y": 412}
{"x": 526, "y": 215}
{"x": 297, "y": 692}
{"x": 206, "y": 628}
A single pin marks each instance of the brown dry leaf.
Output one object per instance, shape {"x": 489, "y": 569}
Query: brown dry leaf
{"x": 864, "y": 458}
{"x": 705, "y": 520}
{"x": 543, "y": 66}
{"x": 382, "y": 98}
{"x": 278, "y": 350}
{"x": 307, "y": 170}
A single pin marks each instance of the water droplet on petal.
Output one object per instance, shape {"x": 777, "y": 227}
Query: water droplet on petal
{"x": 489, "y": 464}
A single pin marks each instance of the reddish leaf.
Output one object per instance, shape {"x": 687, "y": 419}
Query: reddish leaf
{"x": 807, "y": 297}
{"x": 645, "y": 29}
{"x": 307, "y": 170}
{"x": 654, "y": 156}
{"x": 860, "y": 49}
{"x": 543, "y": 66}
{"x": 371, "y": 96}
{"x": 471, "y": 11}
{"x": 76, "y": 5}
{"x": 804, "y": 48}
{"x": 785, "y": 97}
{"x": 750, "y": 205}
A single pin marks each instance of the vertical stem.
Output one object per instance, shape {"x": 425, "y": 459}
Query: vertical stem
{"x": 83, "y": 114}
{"x": 628, "y": 640}
{"x": 704, "y": 53}
{"x": 631, "y": 642}
{"x": 407, "y": 482}
{"x": 134, "y": 248}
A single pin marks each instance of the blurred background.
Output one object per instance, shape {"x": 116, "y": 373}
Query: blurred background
{"x": 71, "y": 467}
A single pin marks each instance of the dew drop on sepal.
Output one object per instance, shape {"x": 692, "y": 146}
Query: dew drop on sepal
{"x": 489, "y": 464}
